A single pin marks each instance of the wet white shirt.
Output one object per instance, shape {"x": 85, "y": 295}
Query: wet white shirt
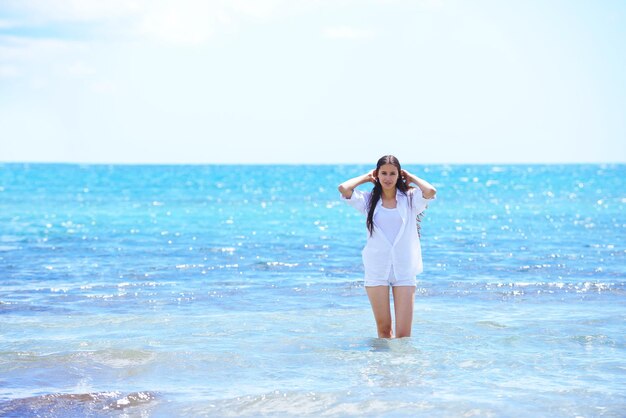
{"x": 405, "y": 252}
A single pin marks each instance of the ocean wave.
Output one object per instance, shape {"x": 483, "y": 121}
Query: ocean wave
{"x": 506, "y": 289}
{"x": 111, "y": 359}
{"x": 82, "y": 404}
{"x": 333, "y": 404}
{"x": 293, "y": 403}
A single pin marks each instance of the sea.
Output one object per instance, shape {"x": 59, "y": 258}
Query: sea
{"x": 237, "y": 290}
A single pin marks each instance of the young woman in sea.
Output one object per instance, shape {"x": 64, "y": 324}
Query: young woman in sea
{"x": 392, "y": 255}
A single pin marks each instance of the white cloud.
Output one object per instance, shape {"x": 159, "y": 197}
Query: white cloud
{"x": 196, "y": 21}
{"x": 38, "y": 83}
{"x": 73, "y": 10}
{"x": 8, "y": 24}
{"x": 15, "y": 48}
{"x": 105, "y": 87}
{"x": 9, "y": 71}
{"x": 80, "y": 68}
{"x": 185, "y": 22}
{"x": 36, "y": 62}
{"x": 182, "y": 21}
{"x": 347, "y": 32}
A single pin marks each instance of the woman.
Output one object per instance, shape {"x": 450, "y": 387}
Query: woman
{"x": 392, "y": 255}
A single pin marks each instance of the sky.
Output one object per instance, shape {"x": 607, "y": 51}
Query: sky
{"x": 312, "y": 81}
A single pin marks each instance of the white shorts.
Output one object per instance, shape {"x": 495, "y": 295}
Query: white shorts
{"x": 390, "y": 281}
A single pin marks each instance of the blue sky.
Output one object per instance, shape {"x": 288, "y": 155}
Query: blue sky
{"x": 316, "y": 81}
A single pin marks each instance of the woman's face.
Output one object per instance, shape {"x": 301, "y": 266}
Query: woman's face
{"x": 388, "y": 176}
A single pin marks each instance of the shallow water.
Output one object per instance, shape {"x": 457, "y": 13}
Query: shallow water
{"x": 236, "y": 291}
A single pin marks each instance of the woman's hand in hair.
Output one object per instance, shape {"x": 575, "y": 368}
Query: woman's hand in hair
{"x": 408, "y": 177}
{"x": 371, "y": 176}
{"x": 428, "y": 191}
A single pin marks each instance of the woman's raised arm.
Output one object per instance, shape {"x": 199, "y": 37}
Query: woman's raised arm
{"x": 347, "y": 187}
{"x": 428, "y": 190}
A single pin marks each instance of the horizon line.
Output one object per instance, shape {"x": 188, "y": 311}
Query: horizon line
{"x": 151, "y": 163}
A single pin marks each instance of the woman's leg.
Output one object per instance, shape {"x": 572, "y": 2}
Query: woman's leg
{"x": 403, "y": 300}
{"x": 379, "y": 298}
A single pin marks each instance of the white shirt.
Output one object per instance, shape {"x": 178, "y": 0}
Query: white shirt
{"x": 405, "y": 252}
{"x": 389, "y": 221}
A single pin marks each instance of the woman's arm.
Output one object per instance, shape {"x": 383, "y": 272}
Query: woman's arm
{"x": 347, "y": 187}
{"x": 428, "y": 191}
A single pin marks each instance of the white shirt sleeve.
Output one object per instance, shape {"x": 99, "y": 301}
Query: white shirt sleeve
{"x": 358, "y": 200}
{"x": 420, "y": 203}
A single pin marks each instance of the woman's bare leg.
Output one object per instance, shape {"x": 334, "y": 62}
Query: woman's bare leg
{"x": 379, "y": 298}
{"x": 403, "y": 301}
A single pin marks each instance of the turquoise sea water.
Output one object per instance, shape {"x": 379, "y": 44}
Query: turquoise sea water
{"x": 236, "y": 291}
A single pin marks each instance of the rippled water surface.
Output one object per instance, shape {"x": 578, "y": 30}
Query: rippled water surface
{"x": 236, "y": 291}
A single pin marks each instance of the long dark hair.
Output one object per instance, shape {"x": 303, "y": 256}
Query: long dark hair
{"x": 378, "y": 189}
